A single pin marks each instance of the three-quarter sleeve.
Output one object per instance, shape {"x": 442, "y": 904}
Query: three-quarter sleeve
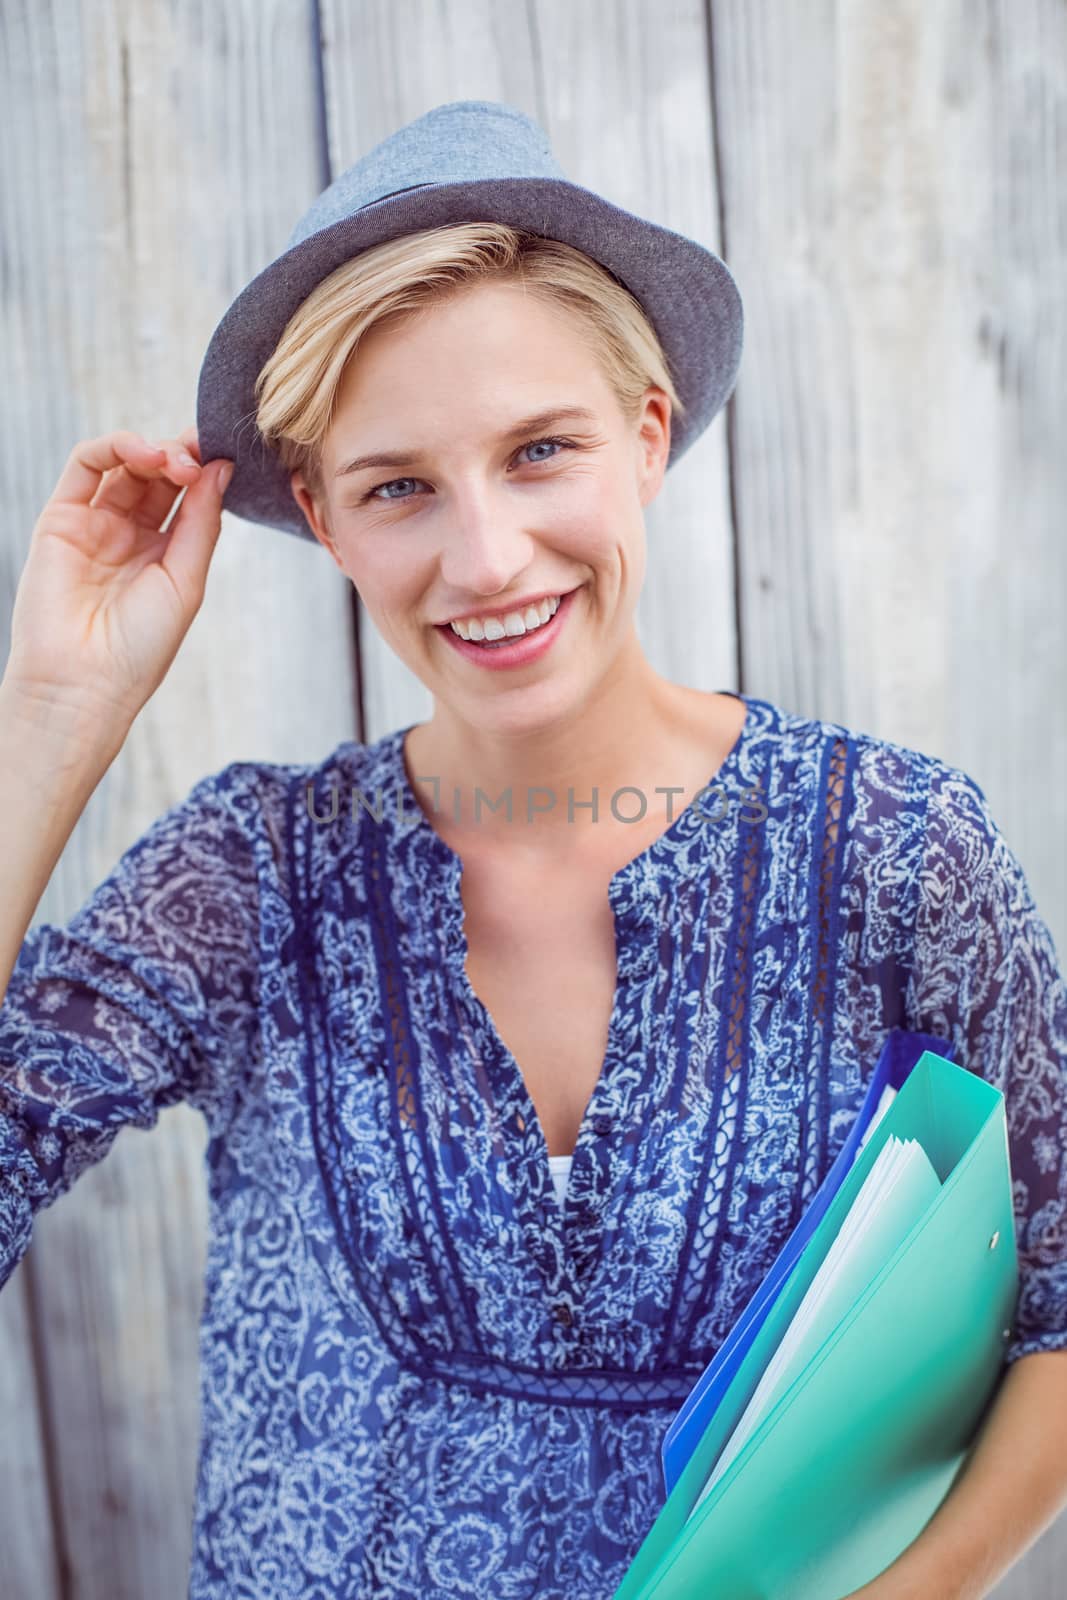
{"x": 986, "y": 975}
{"x": 148, "y": 996}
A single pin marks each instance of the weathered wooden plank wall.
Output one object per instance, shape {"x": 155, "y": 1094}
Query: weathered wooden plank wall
{"x": 872, "y": 533}
{"x": 164, "y": 152}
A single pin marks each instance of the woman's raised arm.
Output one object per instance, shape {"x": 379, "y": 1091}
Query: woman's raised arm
{"x": 137, "y": 1002}
{"x": 104, "y": 600}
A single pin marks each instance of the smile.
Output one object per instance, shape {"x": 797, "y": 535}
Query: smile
{"x": 514, "y": 640}
{"x": 512, "y": 625}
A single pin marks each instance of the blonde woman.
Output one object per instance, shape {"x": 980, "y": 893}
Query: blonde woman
{"x": 514, "y": 1100}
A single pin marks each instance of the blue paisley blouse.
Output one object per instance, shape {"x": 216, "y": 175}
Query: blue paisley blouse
{"x": 422, "y": 1376}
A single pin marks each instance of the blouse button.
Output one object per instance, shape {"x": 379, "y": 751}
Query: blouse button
{"x": 563, "y": 1313}
{"x": 602, "y": 1124}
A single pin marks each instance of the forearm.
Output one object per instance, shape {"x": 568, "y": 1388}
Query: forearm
{"x": 1013, "y": 1487}
{"x": 51, "y": 760}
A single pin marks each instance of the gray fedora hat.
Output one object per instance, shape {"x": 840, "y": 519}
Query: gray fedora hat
{"x": 468, "y": 161}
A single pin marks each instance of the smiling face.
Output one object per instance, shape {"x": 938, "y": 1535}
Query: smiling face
{"x": 472, "y": 513}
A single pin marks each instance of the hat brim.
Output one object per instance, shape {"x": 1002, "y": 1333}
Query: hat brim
{"x": 687, "y": 292}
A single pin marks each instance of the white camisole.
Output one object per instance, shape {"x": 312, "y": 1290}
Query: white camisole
{"x": 561, "y": 1167}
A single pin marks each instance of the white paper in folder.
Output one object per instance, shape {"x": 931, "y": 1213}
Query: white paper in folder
{"x": 897, "y": 1191}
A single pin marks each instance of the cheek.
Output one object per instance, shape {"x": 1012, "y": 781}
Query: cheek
{"x": 392, "y": 595}
{"x": 600, "y": 523}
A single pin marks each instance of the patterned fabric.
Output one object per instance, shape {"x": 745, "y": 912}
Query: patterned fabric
{"x": 422, "y": 1376}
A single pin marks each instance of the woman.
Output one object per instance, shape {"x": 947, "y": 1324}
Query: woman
{"x": 404, "y": 1011}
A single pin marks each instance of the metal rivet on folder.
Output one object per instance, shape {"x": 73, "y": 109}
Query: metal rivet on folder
{"x": 993, "y": 1241}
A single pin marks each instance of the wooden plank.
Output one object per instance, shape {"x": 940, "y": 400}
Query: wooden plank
{"x": 621, "y": 90}
{"x": 29, "y": 1559}
{"x": 175, "y": 150}
{"x": 894, "y": 212}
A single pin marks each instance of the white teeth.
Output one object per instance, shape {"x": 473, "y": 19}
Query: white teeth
{"x": 513, "y": 625}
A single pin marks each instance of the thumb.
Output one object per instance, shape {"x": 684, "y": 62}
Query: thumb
{"x": 195, "y": 531}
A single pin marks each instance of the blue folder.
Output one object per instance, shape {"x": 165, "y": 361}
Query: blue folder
{"x": 900, "y": 1052}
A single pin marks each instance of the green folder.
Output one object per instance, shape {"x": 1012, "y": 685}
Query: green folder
{"x": 860, "y": 1449}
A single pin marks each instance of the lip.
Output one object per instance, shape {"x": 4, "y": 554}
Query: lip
{"x": 524, "y": 649}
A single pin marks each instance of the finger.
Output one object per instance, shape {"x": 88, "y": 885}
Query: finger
{"x": 146, "y": 502}
{"x": 91, "y": 458}
{"x": 150, "y": 497}
{"x": 158, "y": 498}
{"x": 192, "y": 538}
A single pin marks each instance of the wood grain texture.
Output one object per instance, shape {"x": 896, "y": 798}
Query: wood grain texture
{"x": 894, "y": 206}
{"x": 166, "y": 150}
{"x": 28, "y": 1558}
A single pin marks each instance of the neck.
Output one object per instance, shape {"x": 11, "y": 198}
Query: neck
{"x": 638, "y": 733}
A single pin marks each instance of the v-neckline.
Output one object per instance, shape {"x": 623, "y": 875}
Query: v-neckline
{"x": 634, "y": 896}
{"x": 637, "y": 866}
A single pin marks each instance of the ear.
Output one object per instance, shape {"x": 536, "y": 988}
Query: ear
{"x": 653, "y": 442}
{"x": 314, "y": 517}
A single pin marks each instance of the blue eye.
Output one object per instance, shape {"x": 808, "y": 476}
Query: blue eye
{"x": 535, "y": 442}
{"x": 532, "y": 444}
{"x": 371, "y": 493}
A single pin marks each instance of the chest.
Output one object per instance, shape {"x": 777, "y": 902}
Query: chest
{"x": 541, "y": 958}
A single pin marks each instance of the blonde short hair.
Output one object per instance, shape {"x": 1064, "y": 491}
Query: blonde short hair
{"x": 296, "y": 389}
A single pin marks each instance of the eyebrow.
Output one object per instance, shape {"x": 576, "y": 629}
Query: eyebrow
{"x": 531, "y": 424}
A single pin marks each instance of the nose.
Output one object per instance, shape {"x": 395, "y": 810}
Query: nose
{"x": 484, "y": 545}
